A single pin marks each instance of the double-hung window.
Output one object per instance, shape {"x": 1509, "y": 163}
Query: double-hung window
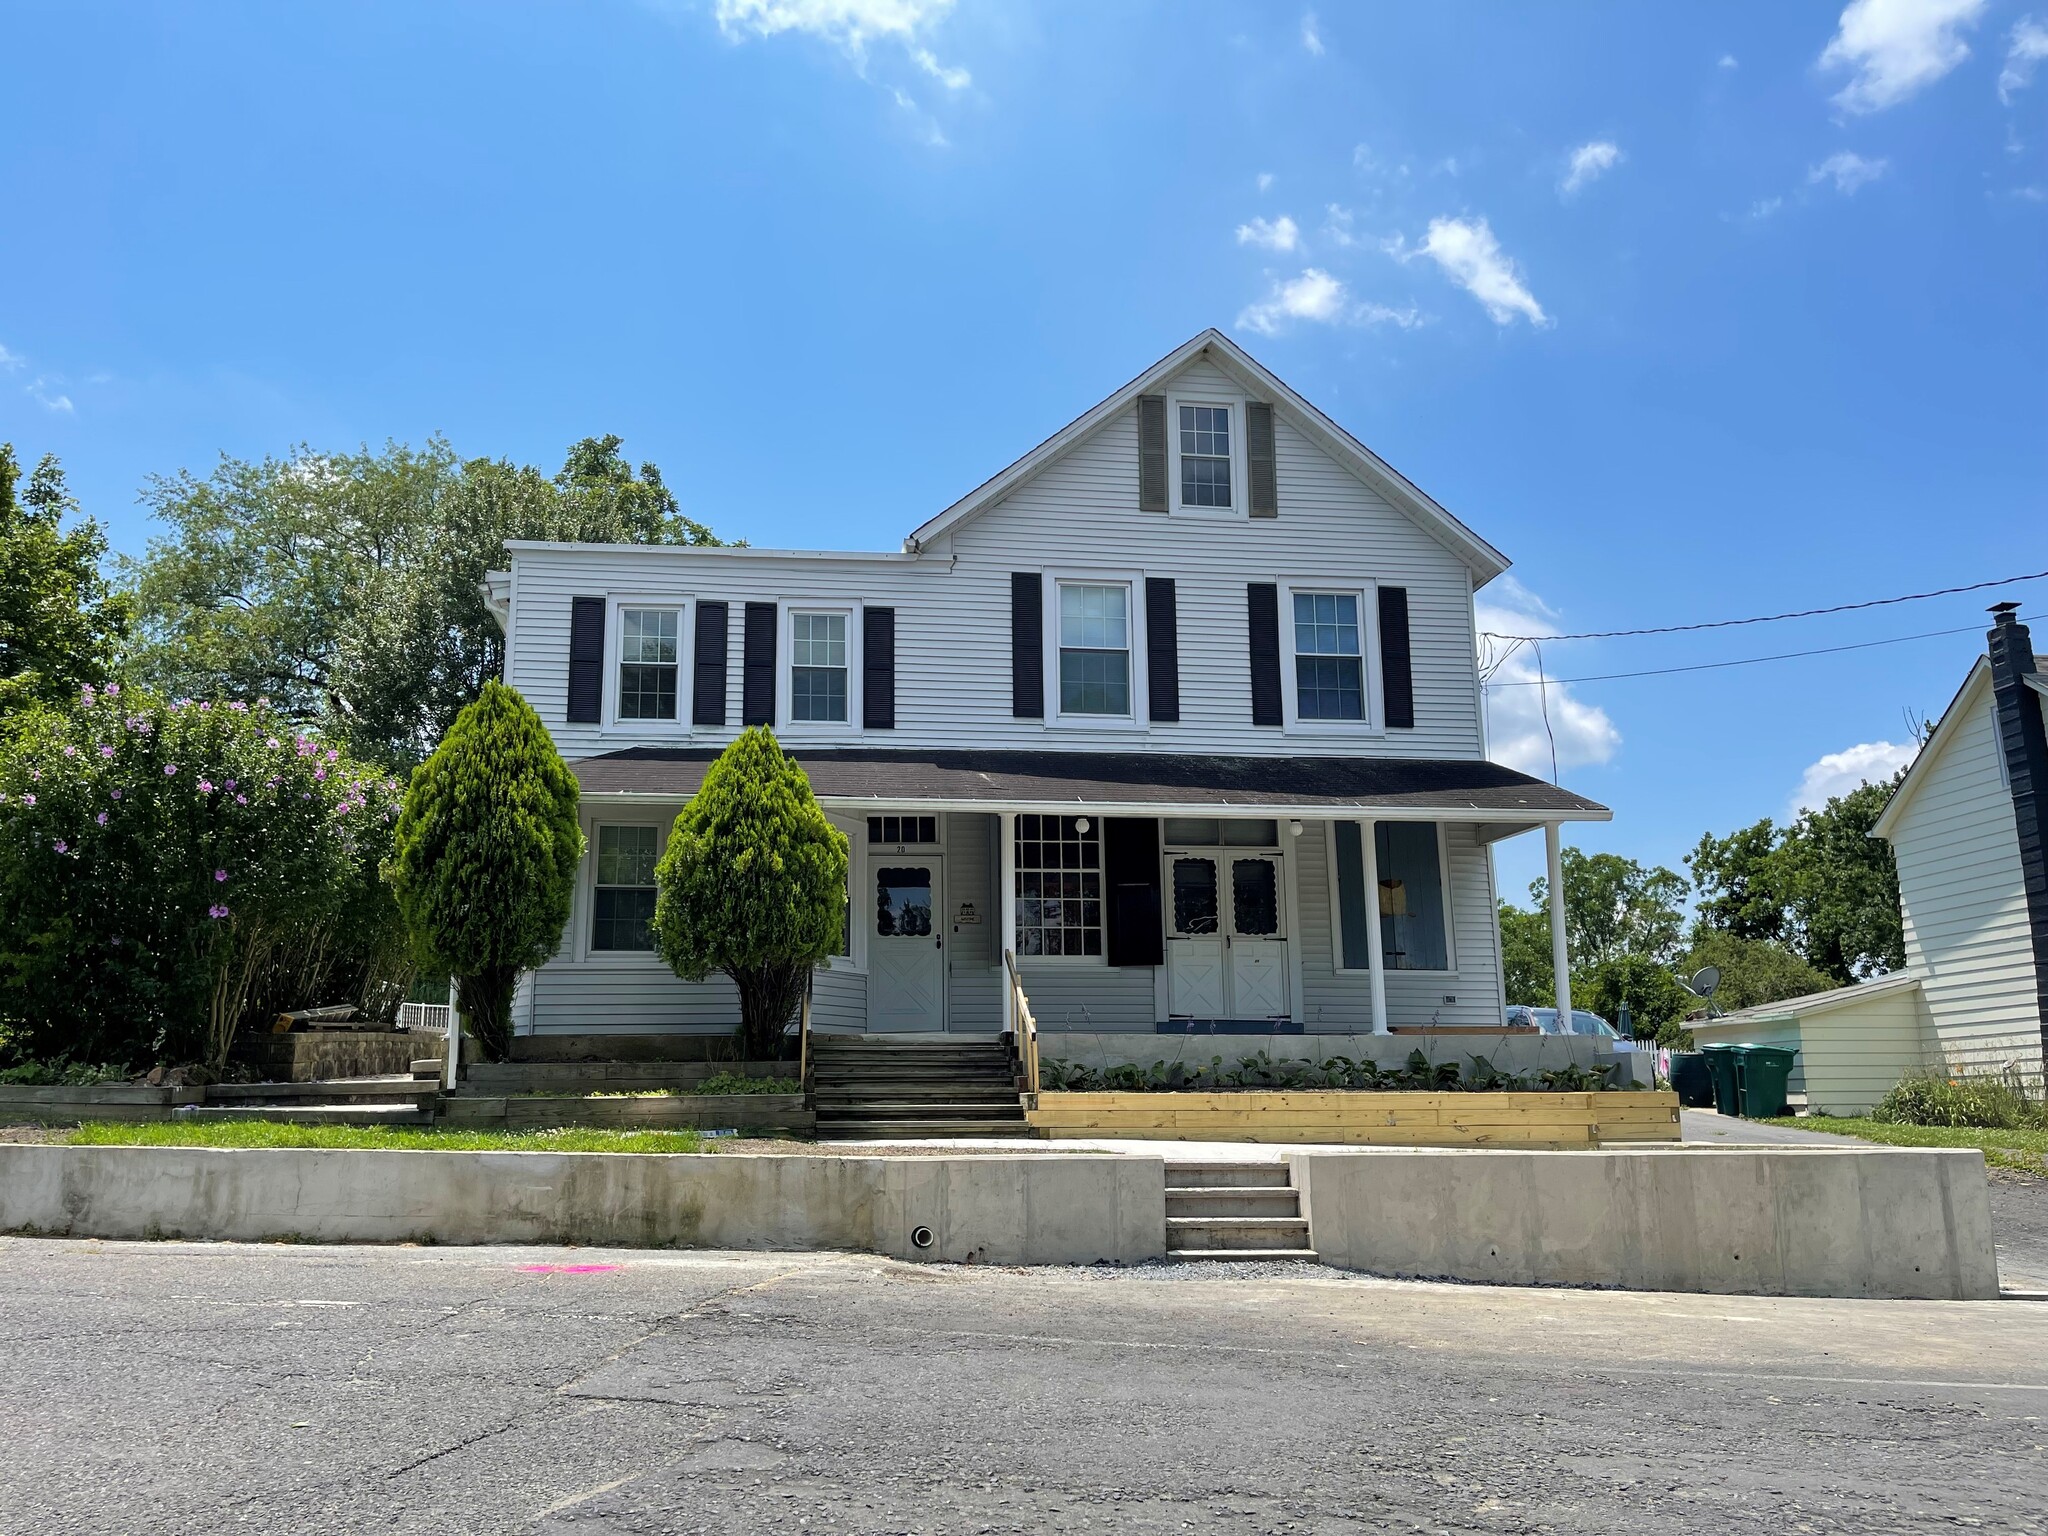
{"x": 1329, "y": 661}
{"x": 1059, "y": 886}
{"x": 649, "y": 658}
{"x": 1095, "y": 648}
{"x": 622, "y": 901}
{"x": 817, "y": 667}
{"x": 1205, "y": 456}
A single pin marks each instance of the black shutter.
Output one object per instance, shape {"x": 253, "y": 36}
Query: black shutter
{"x": 1261, "y": 459}
{"x": 1262, "y": 620}
{"x": 1027, "y": 645}
{"x": 586, "y": 660}
{"x": 1151, "y": 453}
{"x": 707, "y": 692}
{"x": 757, "y": 666}
{"x": 1162, "y": 648}
{"x": 878, "y": 669}
{"x": 1397, "y": 676}
{"x": 1130, "y": 868}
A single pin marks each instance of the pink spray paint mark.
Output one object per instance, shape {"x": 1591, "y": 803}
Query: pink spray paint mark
{"x": 567, "y": 1269}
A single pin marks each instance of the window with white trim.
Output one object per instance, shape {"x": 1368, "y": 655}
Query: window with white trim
{"x": 1094, "y": 648}
{"x": 1205, "y": 456}
{"x": 1329, "y": 657}
{"x": 1411, "y": 905}
{"x": 1059, "y": 886}
{"x": 817, "y": 667}
{"x": 622, "y": 898}
{"x": 650, "y": 656}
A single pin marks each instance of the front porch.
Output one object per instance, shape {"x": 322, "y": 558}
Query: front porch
{"x": 1230, "y": 899}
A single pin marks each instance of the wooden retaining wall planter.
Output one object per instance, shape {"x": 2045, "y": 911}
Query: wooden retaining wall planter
{"x": 1399, "y": 1119}
{"x": 665, "y": 1112}
{"x": 73, "y": 1106}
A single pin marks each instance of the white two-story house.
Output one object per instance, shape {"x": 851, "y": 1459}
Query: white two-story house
{"x": 1181, "y": 708}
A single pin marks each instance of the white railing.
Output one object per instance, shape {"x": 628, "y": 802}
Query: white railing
{"x": 1027, "y": 1026}
{"x": 424, "y": 1018}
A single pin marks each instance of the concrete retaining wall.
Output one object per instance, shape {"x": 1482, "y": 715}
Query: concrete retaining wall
{"x": 1790, "y": 1221}
{"x": 999, "y": 1210}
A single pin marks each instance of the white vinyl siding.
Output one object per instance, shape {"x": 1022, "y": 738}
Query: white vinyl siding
{"x": 953, "y": 605}
{"x": 1965, "y": 908}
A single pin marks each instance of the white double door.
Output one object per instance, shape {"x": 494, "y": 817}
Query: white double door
{"x": 906, "y": 945}
{"x": 1226, "y": 936}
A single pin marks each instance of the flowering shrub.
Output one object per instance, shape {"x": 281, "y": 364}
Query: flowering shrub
{"x": 169, "y": 870}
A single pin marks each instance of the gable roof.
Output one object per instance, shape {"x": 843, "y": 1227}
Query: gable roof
{"x": 1482, "y": 558}
{"x": 1934, "y": 747}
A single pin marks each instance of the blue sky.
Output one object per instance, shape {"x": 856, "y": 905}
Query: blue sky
{"x": 1695, "y": 312}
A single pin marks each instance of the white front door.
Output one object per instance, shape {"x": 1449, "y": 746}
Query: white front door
{"x": 1226, "y": 937}
{"x": 1258, "y": 939}
{"x": 906, "y": 947}
{"x": 1197, "y": 984}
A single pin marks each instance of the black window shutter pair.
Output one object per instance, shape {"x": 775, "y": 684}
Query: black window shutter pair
{"x": 1154, "y": 461}
{"x": 1027, "y": 647}
{"x": 1397, "y": 674}
{"x": 757, "y": 664}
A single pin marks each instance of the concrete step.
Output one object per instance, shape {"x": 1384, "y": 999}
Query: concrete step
{"x": 1242, "y": 1255}
{"x": 1223, "y": 1175}
{"x": 314, "y": 1114}
{"x": 1236, "y": 1232}
{"x": 1243, "y": 1200}
{"x": 913, "y": 1130}
{"x": 993, "y": 1114}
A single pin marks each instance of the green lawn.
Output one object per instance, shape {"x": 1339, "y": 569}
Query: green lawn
{"x": 2024, "y": 1150}
{"x": 268, "y": 1133}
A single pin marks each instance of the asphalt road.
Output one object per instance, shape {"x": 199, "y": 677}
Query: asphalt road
{"x": 189, "y": 1387}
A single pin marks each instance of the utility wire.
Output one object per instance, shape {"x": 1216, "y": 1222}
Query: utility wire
{"x": 1746, "y": 661}
{"x": 1774, "y": 618}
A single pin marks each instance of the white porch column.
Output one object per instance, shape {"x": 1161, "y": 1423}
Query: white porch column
{"x": 1560, "y": 963}
{"x": 1006, "y": 915}
{"x": 1375, "y": 941}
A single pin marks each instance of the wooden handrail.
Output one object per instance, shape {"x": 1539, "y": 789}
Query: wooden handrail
{"x": 1027, "y": 1026}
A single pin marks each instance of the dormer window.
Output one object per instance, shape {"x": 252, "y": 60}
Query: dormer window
{"x": 1205, "y": 456}
{"x": 649, "y": 658}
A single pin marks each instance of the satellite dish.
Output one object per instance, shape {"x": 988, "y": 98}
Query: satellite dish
{"x": 1705, "y": 980}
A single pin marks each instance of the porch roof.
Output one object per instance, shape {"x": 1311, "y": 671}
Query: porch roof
{"x": 1134, "y": 782}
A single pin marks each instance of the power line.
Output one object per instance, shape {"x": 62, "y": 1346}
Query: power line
{"x": 1746, "y": 661}
{"x": 1774, "y": 618}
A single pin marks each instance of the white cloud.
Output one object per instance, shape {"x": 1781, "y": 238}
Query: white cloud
{"x": 9, "y": 360}
{"x": 1317, "y": 296}
{"x": 1764, "y": 207}
{"x": 849, "y": 25}
{"x": 1588, "y": 163}
{"x": 1868, "y": 762}
{"x": 49, "y": 398}
{"x": 1729, "y": 61}
{"x": 1896, "y": 48}
{"x": 1282, "y": 234}
{"x": 1526, "y": 719}
{"x": 2028, "y": 47}
{"x": 1337, "y": 227}
{"x": 1311, "y": 39}
{"x": 1472, "y": 258}
{"x": 1848, "y": 171}
{"x": 1265, "y": 180}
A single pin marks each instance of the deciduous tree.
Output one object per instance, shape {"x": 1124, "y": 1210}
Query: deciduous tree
{"x": 59, "y": 621}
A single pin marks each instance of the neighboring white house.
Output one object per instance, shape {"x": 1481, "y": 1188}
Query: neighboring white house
{"x": 1965, "y": 828}
{"x": 1167, "y": 707}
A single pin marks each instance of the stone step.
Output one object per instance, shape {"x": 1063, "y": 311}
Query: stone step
{"x": 313, "y": 1114}
{"x": 1221, "y": 1175}
{"x": 1243, "y": 1200}
{"x": 1236, "y": 1232}
{"x": 1243, "y": 1255}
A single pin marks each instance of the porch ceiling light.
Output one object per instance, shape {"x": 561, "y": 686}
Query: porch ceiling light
{"x": 1080, "y": 823}
{"x": 1294, "y": 829}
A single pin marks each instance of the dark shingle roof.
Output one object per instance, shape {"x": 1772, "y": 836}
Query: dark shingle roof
{"x": 1065, "y": 778}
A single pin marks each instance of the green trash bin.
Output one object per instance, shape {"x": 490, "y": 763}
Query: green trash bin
{"x": 1692, "y": 1080}
{"x": 1762, "y": 1074}
{"x": 1725, "y": 1062}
